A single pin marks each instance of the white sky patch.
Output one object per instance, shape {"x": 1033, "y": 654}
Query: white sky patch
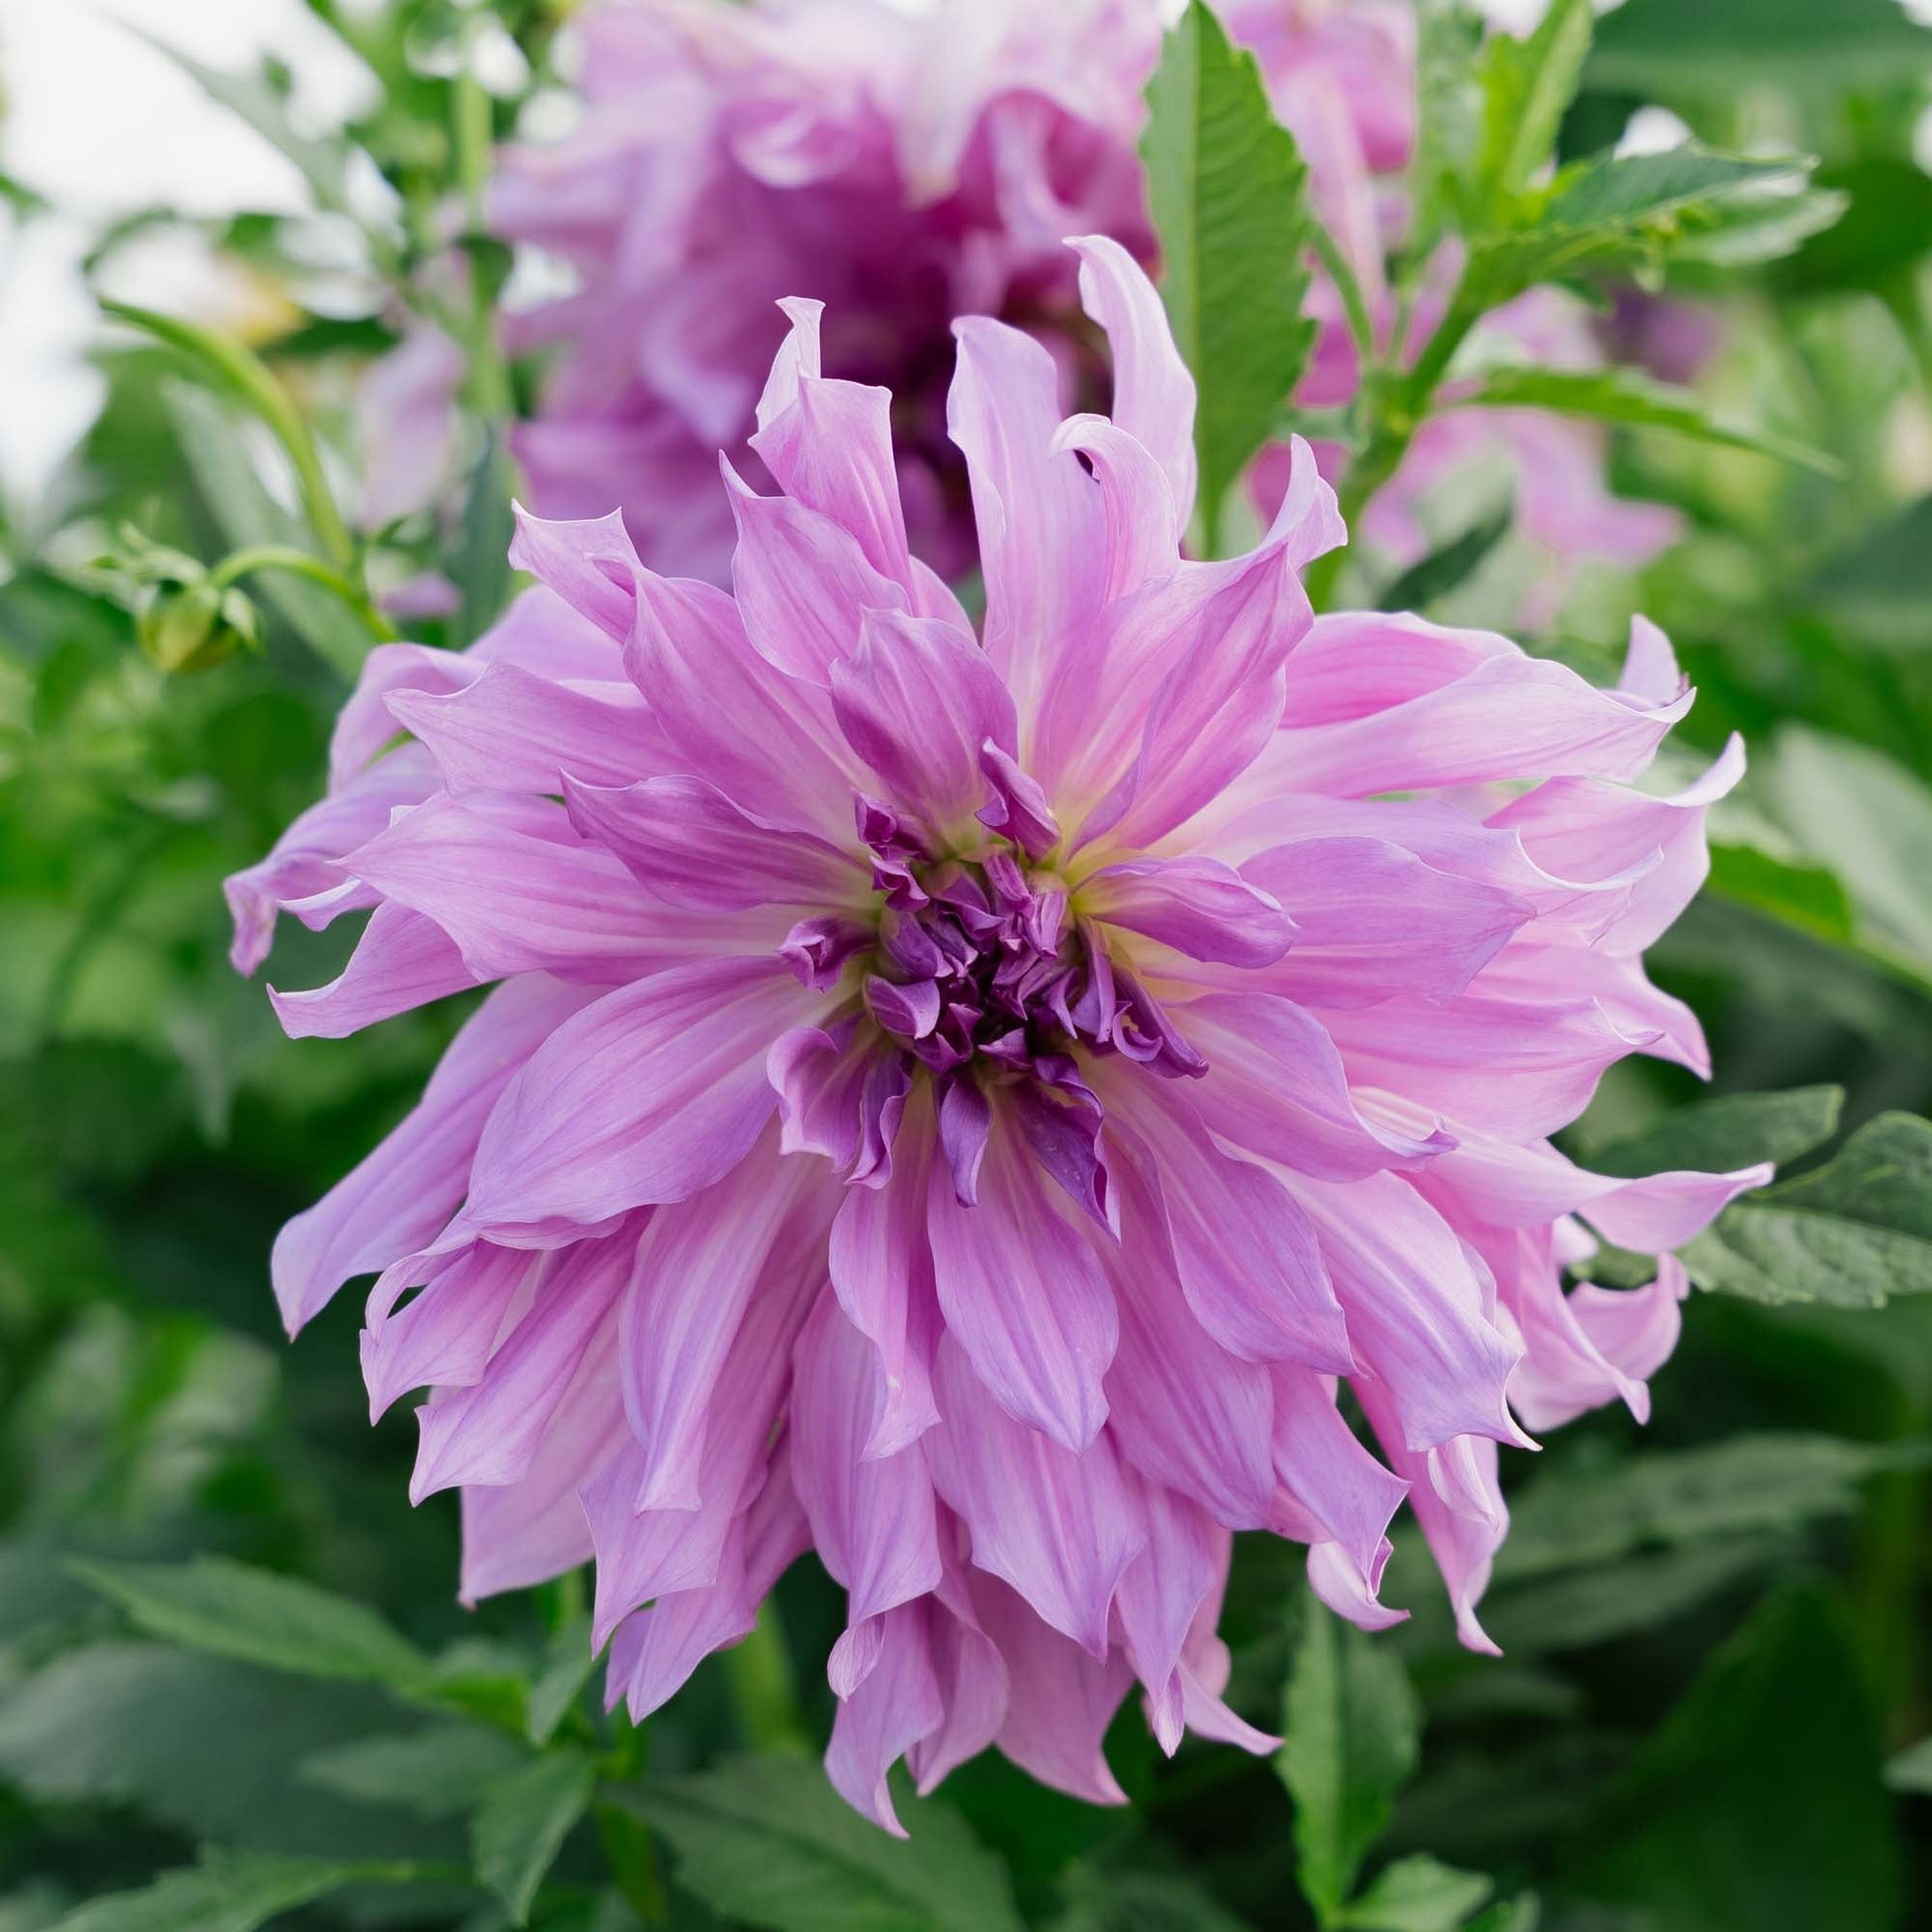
{"x": 101, "y": 124}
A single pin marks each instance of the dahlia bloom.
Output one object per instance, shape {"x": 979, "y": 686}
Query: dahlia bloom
{"x": 989, "y": 1108}
{"x": 907, "y": 167}
{"x": 901, "y": 167}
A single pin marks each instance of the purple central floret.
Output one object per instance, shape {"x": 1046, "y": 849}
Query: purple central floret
{"x": 979, "y": 957}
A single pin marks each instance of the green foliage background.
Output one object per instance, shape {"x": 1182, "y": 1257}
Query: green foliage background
{"x": 234, "y": 1684}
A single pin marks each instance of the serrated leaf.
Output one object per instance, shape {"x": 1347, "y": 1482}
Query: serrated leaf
{"x": 1526, "y": 86}
{"x": 199, "y": 1744}
{"x": 1448, "y": 109}
{"x": 1352, "y": 1737}
{"x": 1450, "y": 567}
{"x": 1629, "y": 397}
{"x": 280, "y": 1623}
{"x": 437, "y": 1771}
{"x": 1852, "y": 1233}
{"x": 1229, "y": 193}
{"x": 1417, "y": 1894}
{"x": 522, "y": 1822}
{"x": 1614, "y": 214}
{"x": 1571, "y": 1518}
{"x": 1719, "y": 1136}
{"x": 767, "y": 1840}
{"x": 226, "y": 1893}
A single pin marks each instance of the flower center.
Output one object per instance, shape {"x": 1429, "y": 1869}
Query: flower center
{"x": 984, "y": 957}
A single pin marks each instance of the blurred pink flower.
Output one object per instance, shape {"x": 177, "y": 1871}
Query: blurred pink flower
{"x": 906, "y": 168}
{"x": 967, "y": 1103}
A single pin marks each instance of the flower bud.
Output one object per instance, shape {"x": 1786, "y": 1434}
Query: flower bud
{"x": 195, "y": 625}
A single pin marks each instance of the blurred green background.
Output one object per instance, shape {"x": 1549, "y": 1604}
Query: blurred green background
{"x": 1717, "y": 1643}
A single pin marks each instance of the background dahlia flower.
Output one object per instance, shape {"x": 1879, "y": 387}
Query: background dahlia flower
{"x": 905, "y": 168}
{"x": 967, "y": 1104}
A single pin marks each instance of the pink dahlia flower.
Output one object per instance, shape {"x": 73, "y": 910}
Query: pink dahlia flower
{"x": 992, "y": 1109}
{"x": 901, "y": 167}
{"x": 907, "y": 167}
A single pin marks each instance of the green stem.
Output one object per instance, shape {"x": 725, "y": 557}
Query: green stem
{"x": 632, "y": 1860}
{"x": 761, "y": 1681}
{"x": 243, "y": 371}
{"x": 474, "y": 137}
{"x": 1394, "y": 408}
{"x": 1341, "y": 272}
{"x": 299, "y": 563}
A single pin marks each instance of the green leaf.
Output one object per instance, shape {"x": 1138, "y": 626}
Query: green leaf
{"x": 438, "y": 1771}
{"x": 1526, "y": 86}
{"x": 1616, "y": 214}
{"x": 767, "y": 1840}
{"x": 1621, "y": 189}
{"x": 1229, "y": 192}
{"x": 1851, "y": 1233}
{"x": 1785, "y": 887}
{"x": 280, "y": 1623}
{"x": 1759, "y": 1803}
{"x": 205, "y": 1747}
{"x": 1664, "y": 49}
{"x": 1911, "y": 1769}
{"x": 1720, "y": 1136}
{"x": 1869, "y": 820}
{"x": 1747, "y": 1483}
{"x": 1352, "y": 1731}
{"x": 1450, "y": 568}
{"x": 567, "y": 1668}
{"x": 522, "y": 1822}
{"x": 1417, "y": 1894}
{"x": 227, "y": 1893}
{"x": 1522, "y": 1915}
{"x": 1880, "y": 589}
{"x": 482, "y": 564}
{"x": 1103, "y": 1900}
{"x": 1629, "y": 397}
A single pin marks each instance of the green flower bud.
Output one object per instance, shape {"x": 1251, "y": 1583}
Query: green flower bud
{"x": 194, "y": 626}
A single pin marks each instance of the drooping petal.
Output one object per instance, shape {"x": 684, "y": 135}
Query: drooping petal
{"x": 882, "y": 1717}
{"x": 1245, "y": 1253}
{"x": 1023, "y": 1294}
{"x": 402, "y": 961}
{"x": 1275, "y": 1087}
{"x": 1055, "y": 1523}
{"x": 489, "y": 1432}
{"x": 883, "y": 1274}
{"x": 647, "y": 1096}
{"x": 698, "y": 1266}
{"x": 399, "y": 1197}
{"x": 513, "y": 731}
{"x": 872, "y": 1517}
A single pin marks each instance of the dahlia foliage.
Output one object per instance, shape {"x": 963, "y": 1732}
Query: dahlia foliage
{"x": 905, "y": 168}
{"x": 994, "y": 1109}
